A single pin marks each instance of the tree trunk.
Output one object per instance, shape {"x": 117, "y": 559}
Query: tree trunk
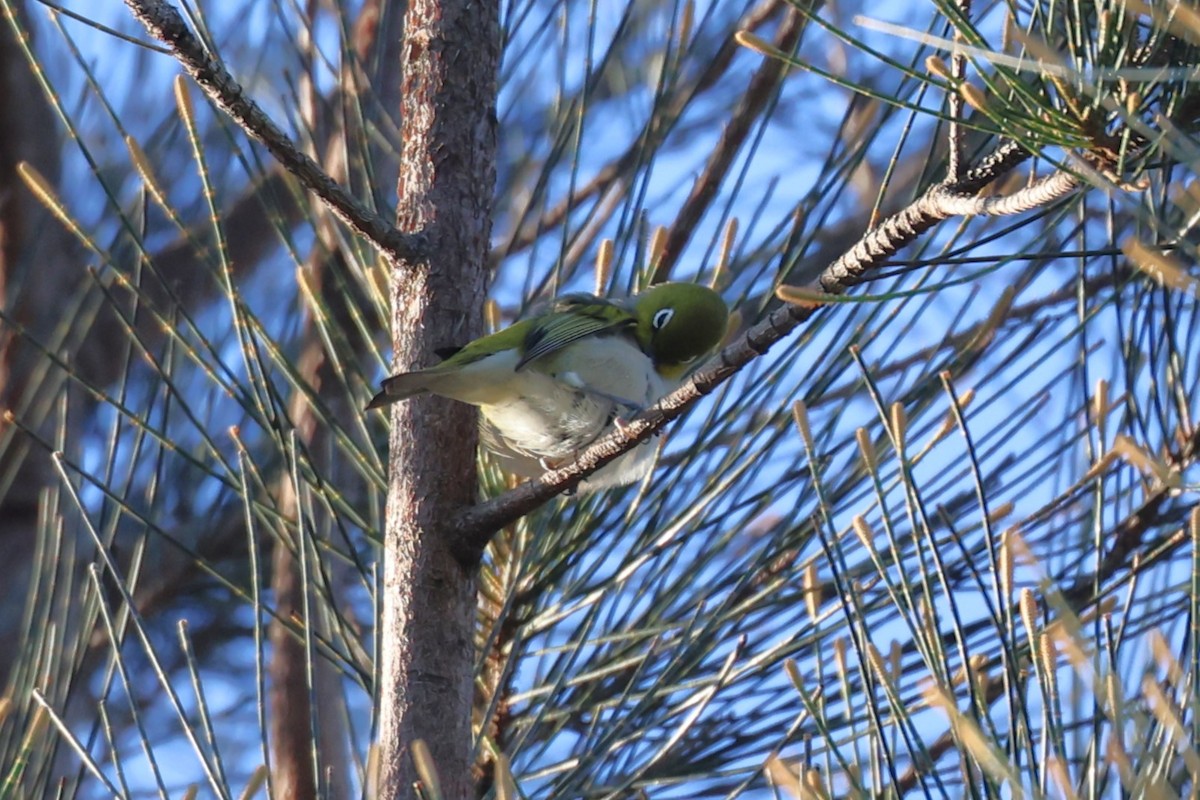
{"x": 449, "y": 63}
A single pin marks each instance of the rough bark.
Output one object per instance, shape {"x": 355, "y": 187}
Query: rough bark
{"x": 449, "y": 62}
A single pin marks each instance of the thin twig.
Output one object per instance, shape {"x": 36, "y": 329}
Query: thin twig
{"x": 165, "y": 23}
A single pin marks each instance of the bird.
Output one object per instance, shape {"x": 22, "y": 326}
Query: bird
{"x": 551, "y": 384}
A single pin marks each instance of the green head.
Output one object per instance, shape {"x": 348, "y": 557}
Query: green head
{"x": 679, "y": 322}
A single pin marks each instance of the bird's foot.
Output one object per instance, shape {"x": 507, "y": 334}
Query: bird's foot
{"x": 549, "y": 464}
{"x": 622, "y": 424}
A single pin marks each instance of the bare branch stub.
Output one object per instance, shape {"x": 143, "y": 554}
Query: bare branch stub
{"x": 958, "y": 71}
{"x": 165, "y": 24}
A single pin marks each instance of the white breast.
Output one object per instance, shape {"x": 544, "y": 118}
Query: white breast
{"x": 563, "y": 407}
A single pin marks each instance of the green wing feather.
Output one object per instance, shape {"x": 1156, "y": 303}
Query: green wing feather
{"x": 568, "y": 319}
{"x": 408, "y": 384}
{"x": 573, "y": 317}
{"x": 505, "y": 339}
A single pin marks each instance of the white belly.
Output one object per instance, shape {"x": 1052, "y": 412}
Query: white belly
{"x": 561, "y": 408}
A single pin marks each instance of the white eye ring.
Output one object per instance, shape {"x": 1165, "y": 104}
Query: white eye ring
{"x": 661, "y": 318}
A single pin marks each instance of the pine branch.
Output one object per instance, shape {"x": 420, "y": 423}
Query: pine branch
{"x": 165, "y": 24}
{"x": 476, "y": 525}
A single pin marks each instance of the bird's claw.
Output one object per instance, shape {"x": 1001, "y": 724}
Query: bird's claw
{"x": 549, "y": 464}
{"x": 622, "y": 424}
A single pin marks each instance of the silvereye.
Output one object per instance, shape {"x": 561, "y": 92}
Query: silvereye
{"x": 550, "y": 385}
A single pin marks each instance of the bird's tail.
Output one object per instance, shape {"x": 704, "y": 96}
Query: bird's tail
{"x": 397, "y": 388}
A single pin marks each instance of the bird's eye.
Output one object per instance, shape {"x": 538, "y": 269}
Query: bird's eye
{"x": 661, "y": 318}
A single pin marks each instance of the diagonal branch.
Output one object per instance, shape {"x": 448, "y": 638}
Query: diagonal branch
{"x": 476, "y": 525}
{"x": 164, "y": 23}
